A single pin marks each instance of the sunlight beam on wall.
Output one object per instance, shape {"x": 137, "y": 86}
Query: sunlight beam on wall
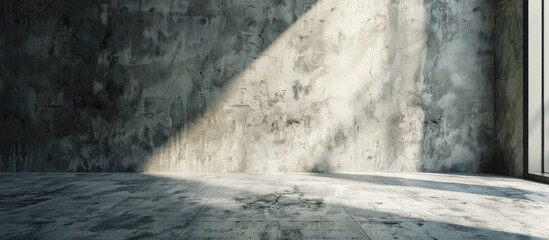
{"x": 336, "y": 91}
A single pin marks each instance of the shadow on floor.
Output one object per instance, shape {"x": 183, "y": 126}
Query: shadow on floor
{"x": 494, "y": 191}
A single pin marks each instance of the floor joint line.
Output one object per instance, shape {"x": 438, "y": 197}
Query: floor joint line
{"x": 200, "y": 210}
{"x": 344, "y": 208}
{"x": 362, "y": 229}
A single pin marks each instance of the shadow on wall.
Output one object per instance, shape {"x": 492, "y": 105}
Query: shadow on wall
{"x": 456, "y": 87}
{"x": 509, "y": 89}
{"x": 98, "y": 85}
{"x": 214, "y": 86}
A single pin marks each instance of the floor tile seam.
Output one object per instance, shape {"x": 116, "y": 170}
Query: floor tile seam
{"x": 220, "y": 181}
{"x": 546, "y": 231}
{"x": 360, "y": 227}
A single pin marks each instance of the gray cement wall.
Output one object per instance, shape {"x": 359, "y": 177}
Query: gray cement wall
{"x": 509, "y": 88}
{"x": 235, "y": 85}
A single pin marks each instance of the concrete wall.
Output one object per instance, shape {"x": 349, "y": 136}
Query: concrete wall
{"x": 509, "y": 88}
{"x": 235, "y": 85}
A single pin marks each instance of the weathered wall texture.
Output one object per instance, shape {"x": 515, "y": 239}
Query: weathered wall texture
{"x": 509, "y": 88}
{"x": 235, "y": 85}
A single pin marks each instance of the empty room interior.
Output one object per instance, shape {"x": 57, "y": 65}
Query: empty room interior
{"x": 274, "y": 119}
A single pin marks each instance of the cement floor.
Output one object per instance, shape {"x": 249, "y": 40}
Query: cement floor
{"x": 271, "y": 206}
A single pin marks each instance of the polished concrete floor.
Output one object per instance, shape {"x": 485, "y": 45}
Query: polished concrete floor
{"x": 271, "y": 206}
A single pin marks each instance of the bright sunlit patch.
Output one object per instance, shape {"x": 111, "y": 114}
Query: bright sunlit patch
{"x": 336, "y": 91}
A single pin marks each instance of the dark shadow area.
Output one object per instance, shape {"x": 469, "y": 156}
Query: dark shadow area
{"x": 458, "y": 111}
{"x": 97, "y": 85}
{"x": 492, "y": 191}
{"x": 133, "y": 206}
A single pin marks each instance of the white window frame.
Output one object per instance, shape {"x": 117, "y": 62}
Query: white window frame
{"x": 536, "y": 139}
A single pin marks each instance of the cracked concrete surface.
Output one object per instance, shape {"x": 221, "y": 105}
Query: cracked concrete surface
{"x": 271, "y": 206}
